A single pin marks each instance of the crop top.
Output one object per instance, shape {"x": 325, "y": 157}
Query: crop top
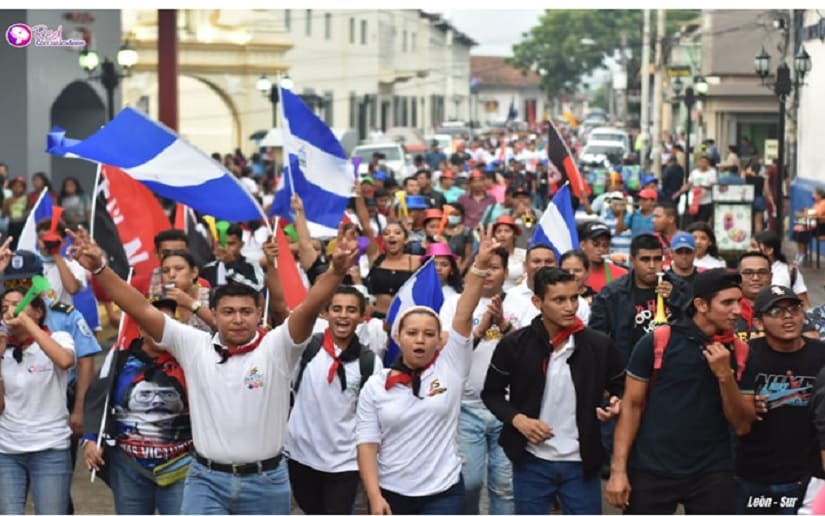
{"x": 386, "y": 281}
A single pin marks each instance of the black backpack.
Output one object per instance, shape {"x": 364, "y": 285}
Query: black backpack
{"x": 366, "y": 361}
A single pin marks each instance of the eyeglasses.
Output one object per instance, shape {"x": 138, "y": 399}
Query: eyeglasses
{"x": 781, "y": 311}
{"x": 757, "y": 272}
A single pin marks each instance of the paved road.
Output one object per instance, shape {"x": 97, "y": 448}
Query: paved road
{"x": 97, "y": 499}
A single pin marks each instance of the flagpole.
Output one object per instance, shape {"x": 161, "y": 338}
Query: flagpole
{"x": 94, "y": 202}
{"x": 284, "y": 136}
{"x": 106, "y": 403}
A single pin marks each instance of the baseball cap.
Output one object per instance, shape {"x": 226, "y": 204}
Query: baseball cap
{"x": 771, "y": 295}
{"x": 380, "y": 175}
{"x": 416, "y": 202}
{"x": 507, "y": 220}
{"x": 616, "y": 196}
{"x": 368, "y": 180}
{"x": 649, "y": 179}
{"x": 432, "y": 213}
{"x": 683, "y": 240}
{"x": 709, "y": 282}
{"x": 24, "y": 264}
{"x": 648, "y": 194}
{"x": 449, "y": 174}
{"x": 513, "y": 190}
{"x": 594, "y": 230}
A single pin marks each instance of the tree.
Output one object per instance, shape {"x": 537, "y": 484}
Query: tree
{"x": 555, "y": 45}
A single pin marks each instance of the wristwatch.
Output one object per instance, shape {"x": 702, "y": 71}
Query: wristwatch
{"x": 195, "y": 306}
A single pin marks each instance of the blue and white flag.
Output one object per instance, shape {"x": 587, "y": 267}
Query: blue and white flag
{"x": 422, "y": 289}
{"x": 27, "y": 241}
{"x": 557, "y": 226}
{"x": 167, "y": 164}
{"x": 317, "y": 167}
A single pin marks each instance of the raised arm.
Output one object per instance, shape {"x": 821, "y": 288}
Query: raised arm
{"x": 90, "y": 257}
{"x": 278, "y": 309}
{"x": 463, "y": 318}
{"x": 303, "y": 317}
{"x": 372, "y": 251}
{"x": 306, "y": 253}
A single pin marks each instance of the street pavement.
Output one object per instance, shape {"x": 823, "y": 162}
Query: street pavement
{"x": 97, "y": 498}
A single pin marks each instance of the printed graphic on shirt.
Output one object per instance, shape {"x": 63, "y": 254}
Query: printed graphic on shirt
{"x": 253, "y": 379}
{"x": 785, "y": 389}
{"x": 645, "y": 313}
{"x": 436, "y": 388}
{"x": 152, "y": 411}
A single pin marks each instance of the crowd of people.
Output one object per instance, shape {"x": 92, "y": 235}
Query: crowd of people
{"x": 644, "y": 358}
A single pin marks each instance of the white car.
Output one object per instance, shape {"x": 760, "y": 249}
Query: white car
{"x": 445, "y": 142}
{"x": 597, "y": 152}
{"x": 601, "y": 135}
{"x": 394, "y": 157}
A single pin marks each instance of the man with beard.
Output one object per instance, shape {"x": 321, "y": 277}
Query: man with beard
{"x": 320, "y": 441}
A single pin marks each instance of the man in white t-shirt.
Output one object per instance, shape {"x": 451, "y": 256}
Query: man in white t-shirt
{"x": 238, "y": 382}
{"x": 320, "y": 440}
{"x": 702, "y": 179}
{"x": 65, "y": 275}
{"x": 478, "y": 429}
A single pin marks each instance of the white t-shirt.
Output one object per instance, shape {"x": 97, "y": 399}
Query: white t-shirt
{"x": 239, "y": 408}
{"x": 782, "y": 276}
{"x": 483, "y": 353}
{"x": 35, "y": 417}
{"x": 705, "y": 180}
{"x": 709, "y": 262}
{"x": 527, "y": 311}
{"x": 515, "y": 268}
{"x": 321, "y": 428}
{"x": 558, "y": 409}
{"x": 417, "y": 445}
{"x": 371, "y": 334}
{"x": 58, "y": 292}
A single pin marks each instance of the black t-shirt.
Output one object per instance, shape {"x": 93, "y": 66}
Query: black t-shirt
{"x": 783, "y": 447}
{"x": 683, "y": 430}
{"x": 758, "y": 183}
{"x": 644, "y": 311}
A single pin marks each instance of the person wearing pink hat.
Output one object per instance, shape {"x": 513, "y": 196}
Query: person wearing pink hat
{"x": 505, "y": 230}
{"x": 446, "y": 265}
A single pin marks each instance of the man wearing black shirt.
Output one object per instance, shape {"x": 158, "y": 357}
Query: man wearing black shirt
{"x": 683, "y": 252}
{"x": 434, "y": 198}
{"x": 775, "y": 460}
{"x": 673, "y": 177}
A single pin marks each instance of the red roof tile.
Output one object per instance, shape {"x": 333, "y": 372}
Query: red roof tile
{"x": 494, "y": 71}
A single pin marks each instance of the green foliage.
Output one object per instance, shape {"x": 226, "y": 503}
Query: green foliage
{"x": 555, "y": 47}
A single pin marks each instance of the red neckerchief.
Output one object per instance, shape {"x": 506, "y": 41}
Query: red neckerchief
{"x": 407, "y": 376}
{"x": 352, "y": 352}
{"x": 561, "y": 337}
{"x": 225, "y": 353}
{"x": 19, "y": 346}
{"x": 747, "y": 312}
{"x": 726, "y": 338}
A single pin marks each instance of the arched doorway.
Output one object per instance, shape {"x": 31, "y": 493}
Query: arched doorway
{"x": 80, "y": 111}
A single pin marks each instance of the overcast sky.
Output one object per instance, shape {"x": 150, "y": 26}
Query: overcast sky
{"x": 495, "y": 31}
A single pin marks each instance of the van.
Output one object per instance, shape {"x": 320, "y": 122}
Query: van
{"x": 608, "y": 135}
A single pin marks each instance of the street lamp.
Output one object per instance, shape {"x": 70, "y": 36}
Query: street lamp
{"x": 109, "y": 77}
{"x": 694, "y": 92}
{"x": 270, "y": 89}
{"x": 782, "y": 87}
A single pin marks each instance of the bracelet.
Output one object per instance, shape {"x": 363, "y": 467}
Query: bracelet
{"x": 100, "y": 269}
{"x": 481, "y": 273}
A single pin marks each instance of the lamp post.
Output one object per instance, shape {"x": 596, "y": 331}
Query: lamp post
{"x": 782, "y": 87}
{"x": 109, "y": 76}
{"x": 693, "y": 93}
{"x": 270, "y": 90}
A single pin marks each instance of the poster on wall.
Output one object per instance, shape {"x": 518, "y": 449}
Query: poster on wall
{"x": 732, "y": 226}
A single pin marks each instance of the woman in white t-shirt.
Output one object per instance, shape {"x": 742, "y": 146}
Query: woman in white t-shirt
{"x": 408, "y": 413}
{"x": 783, "y": 274}
{"x": 707, "y": 253}
{"x": 700, "y": 182}
{"x": 505, "y": 231}
{"x": 34, "y": 422}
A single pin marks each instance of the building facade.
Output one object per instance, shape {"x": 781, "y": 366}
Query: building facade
{"x": 500, "y": 86}
{"x": 810, "y": 130}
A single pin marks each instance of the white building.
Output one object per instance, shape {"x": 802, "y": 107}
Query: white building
{"x": 810, "y": 129}
{"x": 501, "y": 85}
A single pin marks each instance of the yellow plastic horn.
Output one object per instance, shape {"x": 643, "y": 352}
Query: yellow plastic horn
{"x": 213, "y": 228}
{"x": 661, "y": 317}
{"x": 401, "y": 195}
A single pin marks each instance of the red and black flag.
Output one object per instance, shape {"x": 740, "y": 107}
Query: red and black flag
{"x": 560, "y": 157}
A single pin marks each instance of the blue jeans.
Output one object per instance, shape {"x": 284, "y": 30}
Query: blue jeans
{"x": 213, "y": 492}
{"x": 49, "y": 473}
{"x": 754, "y": 498}
{"x": 136, "y": 494}
{"x": 478, "y": 432}
{"x": 537, "y": 481}
{"x": 450, "y": 501}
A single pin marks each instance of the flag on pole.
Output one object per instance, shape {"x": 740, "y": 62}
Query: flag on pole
{"x": 317, "y": 167}
{"x": 422, "y": 289}
{"x": 294, "y": 289}
{"x": 165, "y": 163}
{"x": 557, "y": 226}
{"x": 42, "y": 209}
{"x": 561, "y": 158}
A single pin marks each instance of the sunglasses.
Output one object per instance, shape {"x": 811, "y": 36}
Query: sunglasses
{"x": 781, "y": 311}
{"x": 17, "y": 283}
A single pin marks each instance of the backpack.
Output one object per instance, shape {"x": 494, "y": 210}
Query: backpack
{"x": 661, "y": 338}
{"x": 366, "y": 361}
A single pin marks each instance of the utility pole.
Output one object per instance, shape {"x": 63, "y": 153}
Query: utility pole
{"x": 796, "y": 22}
{"x": 622, "y": 104}
{"x": 644, "y": 117}
{"x": 656, "y": 140}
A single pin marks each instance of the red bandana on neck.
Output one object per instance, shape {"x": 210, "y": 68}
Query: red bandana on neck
{"x": 407, "y": 376}
{"x": 225, "y": 353}
{"x": 19, "y": 345}
{"x": 747, "y": 312}
{"x": 560, "y": 338}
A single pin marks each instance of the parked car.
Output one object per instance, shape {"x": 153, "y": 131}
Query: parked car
{"x": 394, "y": 157}
{"x": 609, "y": 134}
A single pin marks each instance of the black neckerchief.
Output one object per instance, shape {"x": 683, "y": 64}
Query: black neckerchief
{"x": 352, "y": 352}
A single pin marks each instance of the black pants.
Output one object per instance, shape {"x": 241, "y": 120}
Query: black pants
{"x": 317, "y": 492}
{"x": 704, "y": 493}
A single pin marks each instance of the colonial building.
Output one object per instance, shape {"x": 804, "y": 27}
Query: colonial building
{"x": 500, "y": 86}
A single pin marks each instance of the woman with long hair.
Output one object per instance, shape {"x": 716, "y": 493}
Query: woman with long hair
{"x": 783, "y": 273}
{"x": 446, "y": 266}
{"x": 408, "y": 413}
{"x": 179, "y": 276}
{"x": 34, "y": 421}
{"x": 40, "y": 181}
{"x": 74, "y": 202}
{"x": 390, "y": 269}
{"x": 707, "y": 253}
{"x": 505, "y": 231}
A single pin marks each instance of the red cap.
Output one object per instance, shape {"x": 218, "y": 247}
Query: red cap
{"x": 432, "y": 213}
{"x": 647, "y": 193}
{"x": 448, "y": 174}
{"x": 476, "y": 174}
{"x": 510, "y": 221}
